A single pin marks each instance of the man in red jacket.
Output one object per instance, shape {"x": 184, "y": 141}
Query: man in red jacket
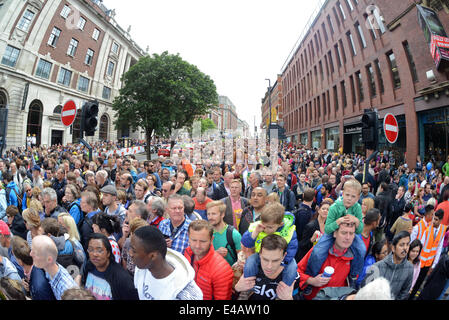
{"x": 213, "y": 274}
{"x": 339, "y": 257}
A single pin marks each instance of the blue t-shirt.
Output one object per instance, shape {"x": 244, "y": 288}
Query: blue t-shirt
{"x": 96, "y": 283}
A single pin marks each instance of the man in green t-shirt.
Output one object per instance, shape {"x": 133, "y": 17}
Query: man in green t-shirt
{"x": 227, "y": 240}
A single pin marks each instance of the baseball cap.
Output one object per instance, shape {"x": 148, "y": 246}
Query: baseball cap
{"x": 109, "y": 189}
{"x": 4, "y": 229}
{"x": 37, "y": 168}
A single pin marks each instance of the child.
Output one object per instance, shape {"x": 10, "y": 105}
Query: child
{"x": 272, "y": 221}
{"x": 345, "y": 210}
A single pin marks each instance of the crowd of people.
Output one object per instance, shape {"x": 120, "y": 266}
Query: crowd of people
{"x": 313, "y": 225}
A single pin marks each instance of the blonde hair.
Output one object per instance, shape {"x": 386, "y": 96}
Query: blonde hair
{"x": 221, "y": 206}
{"x": 353, "y": 184}
{"x": 37, "y": 205}
{"x": 31, "y": 216}
{"x": 369, "y": 203}
{"x": 136, "y": 223}
{"x": 70, "y": 224}
{"x": 273, "y": 197}
{"x": 273, "y": 212}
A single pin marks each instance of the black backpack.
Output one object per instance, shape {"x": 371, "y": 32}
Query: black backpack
{"x": 19, "y": 198}
{"x": 230, "y": 242}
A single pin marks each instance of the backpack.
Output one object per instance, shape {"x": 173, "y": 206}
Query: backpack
{"x": 230, "y": 242}
{"x": 19, "y": 198}
{"x": 66, "y": 260}
{"x": 80, "y": 223}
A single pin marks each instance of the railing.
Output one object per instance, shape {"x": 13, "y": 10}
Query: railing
{"x": 304, "y": 32}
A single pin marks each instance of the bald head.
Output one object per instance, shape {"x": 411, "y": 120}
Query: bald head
{"x": 43, "y": 251}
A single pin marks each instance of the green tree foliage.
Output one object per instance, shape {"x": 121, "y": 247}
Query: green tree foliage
{"x": 162, "y": 93}
{"x": 207, "y": 124}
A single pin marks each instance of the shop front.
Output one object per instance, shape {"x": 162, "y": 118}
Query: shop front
{"x": 352, "y": 136}
{"x": 332, "y": 139}
{"x": 316, "y": 139}
{"x": 304, "y": 138}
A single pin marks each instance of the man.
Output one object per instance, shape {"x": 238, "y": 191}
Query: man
{"x": 226, "y": 239}
{"x": 383, "y": 202}
{"x": 137, "y": 209}
{"x": 268, "y": 284}
{"x": 268, "y": 183}
{"x": 117, "y": 169}
{"x": 165, "y": 175}
{"x": 126, "y": 180}
{"x": 304, "y": 214}
{"x": 112, "y": 207}
{"x": 398, "y": 206}
{"x": 419, "y": 229}
{"x": 59, "y": 183}
{"x": 11, "y": 191}
{"x": 213, "y": 274}
{"x": 127, "y": 167}
{"x": 217, "y": 175}
{"x": 150, "y": 168}
{"x": 201, "y": 201}
{"x": 50, "y": 203}
{"x": 179, "y": 184}
{"x": 168, "y": 188}
{"x": 443, "y": 188}
{"x": 252, "y": 212}
{"x": 432, "y": 241}
{"x": 101, "y": 179}
{"x": 175, "y": 228}
{"x": 300, "y": 187}
{"x": 212, "y": 187}
{"x": 370, "y": 223}
{"x": 161, "y": 273}
{"x": 37, "y": 179}
{"x": 444, "y": 205}
{"x": 141, "y": 190}
{"x": 286, "y": 196}
{"x": 89, "y": 206}
{"x": 17, "y": 178}
{"x": 234, "y": 204}
{"x": 365, "y": 193}
{"x": 427, "y": 192}
{"x": 338, "y": 256}
{"x": 395, "y": 267}
{"x": 255, "y": 180}
{"x": 224, "y": 189}
{"x": 315, "y": 179}
{"x": 44, "y": 254}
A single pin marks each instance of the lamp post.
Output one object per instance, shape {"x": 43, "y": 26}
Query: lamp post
{"x": 269, "y": 106}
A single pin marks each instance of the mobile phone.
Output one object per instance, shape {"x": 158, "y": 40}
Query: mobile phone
{"x": 166, "y": 237}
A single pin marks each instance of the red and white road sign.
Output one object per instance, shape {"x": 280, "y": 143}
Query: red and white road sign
{"x": 391, "y": 128}
{"x": 68, "y": 113}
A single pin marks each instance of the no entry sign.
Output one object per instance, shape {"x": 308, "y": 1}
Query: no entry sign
{"x": 391, "y": 128}
{"x": 68, "y": 113}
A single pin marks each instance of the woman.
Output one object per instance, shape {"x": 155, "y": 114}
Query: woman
{"x": 151, "y": 181}
{"x": 32, "y": 223}
{"x": 127, "y": 261}
{"x": 414, "y": 252}
{"x": 71, "y": 199}
{"x": 378, "y": 252}
{"x": 102, "y": 276}
{"x": 107, "y": 225}
{"x": 313, "y": 230}
{"x": 418, "y": 203}
{"x": 367, "y": 204}
{"x": 15, "y": 222}
{"x": 408, "y": 197}
{"x": 67, "y": 221}
{"x": 194, "y": 181}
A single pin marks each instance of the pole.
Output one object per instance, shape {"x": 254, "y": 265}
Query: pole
{"x": 269, "y": 106}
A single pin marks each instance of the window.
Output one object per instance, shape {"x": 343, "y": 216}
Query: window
{"x": 89, "y": 57}
{"x": 411, "y": 62}
{"x": 324, "y": 32}
{"x": 81, "y": 23}
{"x": 64, "y": 77}
{"x": 349, "y": 4}
{"x": 11, "y": 56}
{"x": 72, "y": 47}
{"x": 372, "y": 80}
{"x": 336, "y": 16}
{"x": 106, "y": 93}
{"x": 394, "y": 70}
{"x": 371, "y": 26}
{"x": 96, "y": 34}
{"x": 379, "y": 19}
{"x": 331, "y": 62}
{"x": 342, "y": 11}
{"x": 351, "y": 82}
{"x": 57, "y": 109}
{"x": 25, "y": 21}
{"x": 83, "y": 84}
{"x": 342, "y": 50}
{"x": 343, "y": 94}
{"x": 54, "y": 37}
{"x": 361, "y": 36}
{"x": 43, "y": 69}
{"x": 358, "y": 76}
{"x": 65, "y": 11}
{"x": 337, "y": 54}
{"x": 335, "y": 99}
{"x": 379, "y": 76}
{"x": 110, "y": 70}
{"x": 321, "y": 70}
{"x": 331, "y": 26}
{"x": 115, "y": 47}
{"x": 351, "y": 42}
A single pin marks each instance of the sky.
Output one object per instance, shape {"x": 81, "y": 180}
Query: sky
{"x": 238, "y": 44}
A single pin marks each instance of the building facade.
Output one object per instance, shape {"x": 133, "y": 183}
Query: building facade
{"x": 228, "y": 113}
{"x": 53, "y": 51}
{"x": 359, "y": 55}
{"x": 276, "y": 105}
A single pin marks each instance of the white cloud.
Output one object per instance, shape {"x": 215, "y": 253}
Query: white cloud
{"x": 237, "y": 43}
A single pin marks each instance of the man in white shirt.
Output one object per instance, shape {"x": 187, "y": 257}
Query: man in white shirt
{"x": 161, "y": 273}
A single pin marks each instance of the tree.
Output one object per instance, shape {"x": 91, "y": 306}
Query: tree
{"x": 207, "y": 124}
{"x": 163, "y": 93}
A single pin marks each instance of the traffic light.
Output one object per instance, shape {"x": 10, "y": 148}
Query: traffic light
{"x": 370, "y": 135}
{"x": 89, "y": 120}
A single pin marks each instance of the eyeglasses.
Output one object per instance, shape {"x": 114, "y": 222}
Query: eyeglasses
{"x": 96, "y": 250}
{"x": 163, "y": 190}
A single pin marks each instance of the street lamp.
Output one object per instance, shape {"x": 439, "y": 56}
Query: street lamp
{"x": 269, "y": 106}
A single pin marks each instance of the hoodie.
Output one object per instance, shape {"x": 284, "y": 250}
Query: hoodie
{"x": 12, "y": 201}
{"x": 178, "y": 285}
{"x": 399, "y": 275}
{"x": 338, "y": 210}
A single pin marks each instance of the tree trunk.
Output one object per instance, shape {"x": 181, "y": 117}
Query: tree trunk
{"x": 149, "y": 136}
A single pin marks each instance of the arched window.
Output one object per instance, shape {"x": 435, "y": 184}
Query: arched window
{"x": 57, "y": 109}
{"x": 3, "y": 99}
{"x": 104, "y": 128}
{"x": 34, "y": 123}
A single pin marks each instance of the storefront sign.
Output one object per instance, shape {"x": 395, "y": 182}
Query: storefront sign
{"x": 353, "y": 130}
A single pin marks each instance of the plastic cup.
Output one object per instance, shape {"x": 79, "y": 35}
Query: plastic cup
{"x": 328, "y": 272}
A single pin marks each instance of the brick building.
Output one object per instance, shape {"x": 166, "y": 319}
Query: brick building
{"x": 228, "y": 113}
{"x": 276, "y": 104}
{"x": 53, "y": 51}
{"x": 358, "y": 55}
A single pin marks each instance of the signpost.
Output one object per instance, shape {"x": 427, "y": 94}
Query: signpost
{"x": 391, "y": 128}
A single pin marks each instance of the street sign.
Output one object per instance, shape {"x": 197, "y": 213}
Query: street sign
{"x": 68, "y": 113}
{"x": 391, "y": 128}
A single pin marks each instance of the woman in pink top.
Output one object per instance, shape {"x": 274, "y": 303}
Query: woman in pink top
{"x": 413, "y": 256}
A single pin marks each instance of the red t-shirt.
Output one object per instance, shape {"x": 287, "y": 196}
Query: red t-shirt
{"x": 366, "y": 241}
